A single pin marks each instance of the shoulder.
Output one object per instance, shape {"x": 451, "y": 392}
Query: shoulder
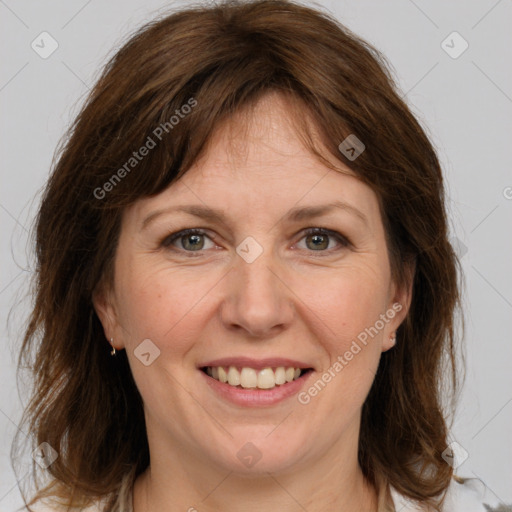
{"x": 466, "y": 495}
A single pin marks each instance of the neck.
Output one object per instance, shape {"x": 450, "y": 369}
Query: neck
{"x": 180, "y": 482}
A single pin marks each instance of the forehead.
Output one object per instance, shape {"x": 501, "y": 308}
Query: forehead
{"x": 263, "y": 137}
{"x": 257, "y": 158}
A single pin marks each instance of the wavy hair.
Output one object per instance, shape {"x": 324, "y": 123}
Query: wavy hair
{"x": 220, "y": 59}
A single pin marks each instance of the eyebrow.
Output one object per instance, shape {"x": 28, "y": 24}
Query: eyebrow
{"x": 296, "y": 214}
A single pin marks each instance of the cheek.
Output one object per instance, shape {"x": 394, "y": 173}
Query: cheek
{"x": 168, "y": 306}
{"x": 352, "y": 310}
{"x": 348, "y": 301}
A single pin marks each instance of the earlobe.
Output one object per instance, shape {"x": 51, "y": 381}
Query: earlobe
{"x": 391, "y": 342}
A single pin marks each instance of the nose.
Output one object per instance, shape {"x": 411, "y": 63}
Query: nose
{"x": 257, "y": 300}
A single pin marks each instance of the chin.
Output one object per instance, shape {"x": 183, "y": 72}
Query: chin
{"x": 258, "y": 456}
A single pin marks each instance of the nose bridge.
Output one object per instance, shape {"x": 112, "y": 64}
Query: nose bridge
{"x": 258, "y": 301}
{"x": 256, "y": 277}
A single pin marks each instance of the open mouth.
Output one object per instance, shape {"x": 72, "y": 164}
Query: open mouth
{"x": 251, "y": 378}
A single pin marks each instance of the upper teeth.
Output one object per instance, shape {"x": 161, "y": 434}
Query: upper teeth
{"x": 267, "y": 378}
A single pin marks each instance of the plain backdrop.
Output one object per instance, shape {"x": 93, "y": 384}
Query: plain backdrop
{"x": 462, "y": 96}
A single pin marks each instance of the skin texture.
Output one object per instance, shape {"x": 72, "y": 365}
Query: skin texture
{"x": 294, "y": 301}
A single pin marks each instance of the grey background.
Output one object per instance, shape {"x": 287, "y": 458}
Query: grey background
{"x": 465, "y": 104}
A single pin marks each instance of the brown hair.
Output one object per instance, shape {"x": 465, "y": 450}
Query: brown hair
{"x": 218, "y": 60}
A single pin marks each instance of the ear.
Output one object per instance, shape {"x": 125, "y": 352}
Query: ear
{"x": 102, "y": 299}
{"x": 399, "y": 304}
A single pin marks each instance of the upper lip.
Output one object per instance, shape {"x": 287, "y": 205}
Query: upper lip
{"x": 257, "y": 364}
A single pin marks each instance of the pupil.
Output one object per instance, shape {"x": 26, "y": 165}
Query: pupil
{"x": 196, "y": 239}
{"x": 319, "y": 241}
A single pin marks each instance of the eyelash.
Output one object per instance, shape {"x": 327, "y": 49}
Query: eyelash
{"x": 169, "y": 239}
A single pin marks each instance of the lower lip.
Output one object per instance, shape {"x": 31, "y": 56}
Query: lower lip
{"x": 256, "y": 397}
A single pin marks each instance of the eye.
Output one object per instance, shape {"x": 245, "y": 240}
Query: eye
{"x": 193, "y": 240}
{"x": 189, "y": 240}
{"x": 318, "y": 239}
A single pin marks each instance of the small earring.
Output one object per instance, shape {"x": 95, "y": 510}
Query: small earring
{"x": 392, "y": 339}
{"x": 113, "y": 351}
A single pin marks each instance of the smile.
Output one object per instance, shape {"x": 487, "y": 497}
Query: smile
{"x": 251, "y": 378}
{"x": 255, "y": 382}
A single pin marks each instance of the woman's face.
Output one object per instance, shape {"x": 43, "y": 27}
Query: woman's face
{"x": 256, "y": 291}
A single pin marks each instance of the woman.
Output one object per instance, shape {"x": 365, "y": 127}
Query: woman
{"x": 247, "y": 211}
